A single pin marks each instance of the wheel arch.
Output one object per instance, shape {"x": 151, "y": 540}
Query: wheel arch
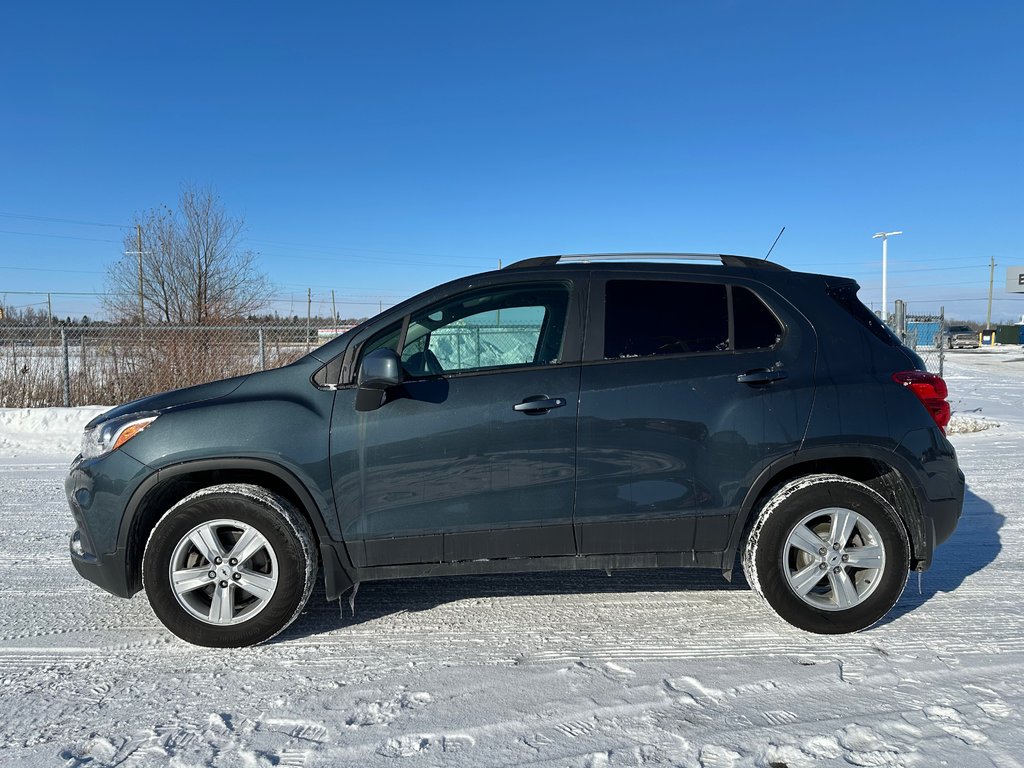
{"x": 169, "y": 485}
{"x": 879, "y": 470}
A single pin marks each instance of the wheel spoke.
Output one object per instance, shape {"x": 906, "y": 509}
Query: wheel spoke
{"x": 843, "y": 522}
{"x": 189, "y": 579}
{"x": 834, "y": 558}
{"x": 805, "y": 539}
{"x": 222, "y": 607}
{"x": 864, "y": 557}
{"x": 257, "y": 585}
{"x": 205, "y": 540}
{"x": 248, "y": 544}
{"x": 804, "y": 580}
{"x": 244, "y": 568}
{"x": 844, "y": 591}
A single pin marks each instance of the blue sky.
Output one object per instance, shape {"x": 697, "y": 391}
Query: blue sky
{"x": 379, "y": 148}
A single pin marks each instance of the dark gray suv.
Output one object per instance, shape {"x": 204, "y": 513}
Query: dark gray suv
{"x": 564, "y": 413}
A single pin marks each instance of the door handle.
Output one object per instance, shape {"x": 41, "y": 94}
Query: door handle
{"x": 761, "y": 376}
{"x": 537, "y": 404}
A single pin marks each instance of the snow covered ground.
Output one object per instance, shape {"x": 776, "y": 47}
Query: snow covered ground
{"x": 665, "y": 668}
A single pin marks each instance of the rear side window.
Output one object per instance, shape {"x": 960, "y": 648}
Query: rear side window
{"x": 655, "y": 317}
{"x": 754, "y": 324}
{"x": 644, "y": 318}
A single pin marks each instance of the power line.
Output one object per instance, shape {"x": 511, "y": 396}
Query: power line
{"x": 57, "y": 220}
{"x": 273, "y": 298}
{"x": 46, "y": 269}
{"x": 872, "y": 263}
{"x": 60, "y": 237}
{"x": 339, "y": 256}
{"x": 932, "y": 269}
{"x": 359, "y": 249}
{"x": 57, "y": 293}
{"x": 346, "y": 258}
{"x": 323, "y": 248}
{"x": 968, "y": 298}
{"x": 325, "y": 300}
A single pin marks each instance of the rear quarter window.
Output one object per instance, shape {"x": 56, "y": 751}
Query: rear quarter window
{"x": 846, "y": 297}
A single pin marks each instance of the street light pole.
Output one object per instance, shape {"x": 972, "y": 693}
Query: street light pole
{"x": 885, "y": 270}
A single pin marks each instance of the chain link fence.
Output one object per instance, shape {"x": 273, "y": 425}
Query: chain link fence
{"x": 110, "y": 364}
{"x": 925, "y": 334}
{"x": 482, "y": 346}
{"x": 106, "y": 364}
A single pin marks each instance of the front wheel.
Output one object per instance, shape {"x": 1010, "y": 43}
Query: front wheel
{"x": 828, "y": 554}
{"x": 229, "y": 566}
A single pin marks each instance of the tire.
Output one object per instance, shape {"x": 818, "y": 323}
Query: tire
{"x": 251, "y": 597}
{"x": 796, "y": 533}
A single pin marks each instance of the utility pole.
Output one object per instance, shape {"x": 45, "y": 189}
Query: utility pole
{"x": 49, "y": 317}
{"x": 142, "y": 309}
{"x": 309, "y": 312}
{"x": 942, "y": 333}
{"x": 991, "y": 277}
{"x": 334, "y": 309}
{"x": 139, "y": 253}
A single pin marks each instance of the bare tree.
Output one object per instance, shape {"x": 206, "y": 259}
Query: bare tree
{"x": 194, "y": 270}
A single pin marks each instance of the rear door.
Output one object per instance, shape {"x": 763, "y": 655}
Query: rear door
{"x": 687, "y": 387}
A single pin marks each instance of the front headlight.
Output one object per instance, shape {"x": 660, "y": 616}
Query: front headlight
{"x": 111, "y": 435}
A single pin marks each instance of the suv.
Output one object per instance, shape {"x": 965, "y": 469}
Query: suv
{"x": 563, "y": 413}
{"x": 961, "y": 337}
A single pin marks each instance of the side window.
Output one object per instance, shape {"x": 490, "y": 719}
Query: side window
{"x": 754, "y": 324}
{"x": 661, "y": 317}
{"x": 510, "y": 326}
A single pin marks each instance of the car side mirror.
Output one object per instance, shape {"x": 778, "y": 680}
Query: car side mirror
{"x": 379, "y": 371}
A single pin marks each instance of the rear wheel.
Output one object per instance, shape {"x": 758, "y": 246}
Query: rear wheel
{"x": 828, "y": 554}
{"x": 230, "y": 565}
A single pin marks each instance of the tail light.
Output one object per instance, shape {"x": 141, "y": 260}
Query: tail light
{"x": 930, "y": 390}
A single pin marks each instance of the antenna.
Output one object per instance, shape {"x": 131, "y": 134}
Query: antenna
{"x": 773, "y": 244}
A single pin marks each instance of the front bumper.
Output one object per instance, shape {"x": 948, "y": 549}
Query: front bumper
{"x": 971, "y": 343}
{"x": 105, "y": 571}
{"x": 99, "y": 491}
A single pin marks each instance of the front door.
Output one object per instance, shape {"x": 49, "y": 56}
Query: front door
{"x": 473, "y": 457}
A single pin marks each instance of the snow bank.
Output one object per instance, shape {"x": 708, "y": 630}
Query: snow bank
{"x": 50, "y": 431}
{"x": 962, "y": 423}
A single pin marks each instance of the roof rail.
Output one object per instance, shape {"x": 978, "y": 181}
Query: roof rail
{"x": 726, "y": 260}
